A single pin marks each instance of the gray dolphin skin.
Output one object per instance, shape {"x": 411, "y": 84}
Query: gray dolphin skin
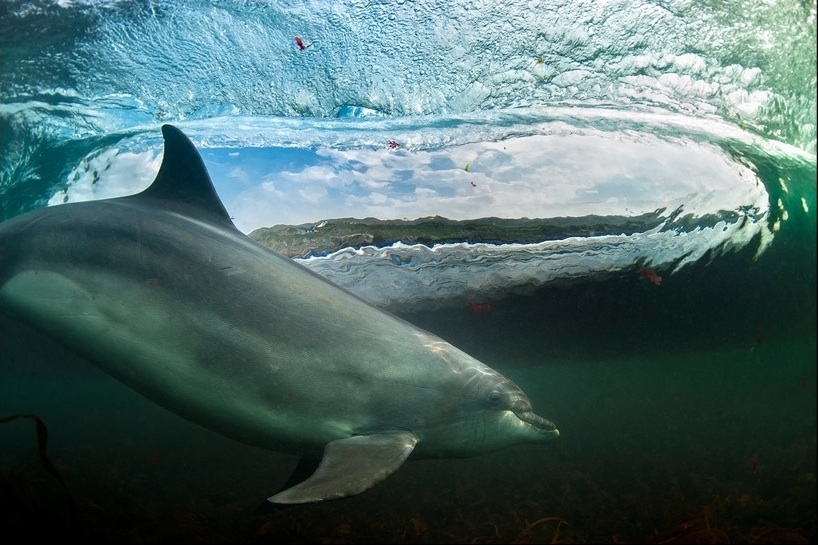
{"x": 161, "y": 291}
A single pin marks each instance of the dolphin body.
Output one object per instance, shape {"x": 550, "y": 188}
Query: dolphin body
{"x": 160, "y": 290}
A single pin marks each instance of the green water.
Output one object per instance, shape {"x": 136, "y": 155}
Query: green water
{"x": 645, "y": 445}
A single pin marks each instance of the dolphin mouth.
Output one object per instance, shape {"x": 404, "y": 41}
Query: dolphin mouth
{"x": 544, "y": 426}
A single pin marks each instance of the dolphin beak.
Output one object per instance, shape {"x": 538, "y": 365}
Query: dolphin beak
{"x": 545, "y": 427}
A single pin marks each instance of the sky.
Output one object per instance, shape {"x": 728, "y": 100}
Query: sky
{"x": 538, "y": 176}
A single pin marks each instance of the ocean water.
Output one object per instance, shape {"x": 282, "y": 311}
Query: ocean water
{"x": 629, "y": 194}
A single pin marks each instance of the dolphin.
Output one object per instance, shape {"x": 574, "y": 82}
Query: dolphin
{"x": 164, "y": 293}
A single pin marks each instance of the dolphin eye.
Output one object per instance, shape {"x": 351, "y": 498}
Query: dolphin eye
{"x": 495, "y": 397}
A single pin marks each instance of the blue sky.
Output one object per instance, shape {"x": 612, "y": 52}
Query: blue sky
{"x": 532, "y": 176}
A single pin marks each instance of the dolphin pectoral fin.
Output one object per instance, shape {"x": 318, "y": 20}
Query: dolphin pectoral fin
{"x": 306, "y": 466}
{"x": 350, "y": 466}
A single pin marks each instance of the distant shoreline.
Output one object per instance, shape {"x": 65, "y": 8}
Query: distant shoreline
{"x": 324, "y": 237}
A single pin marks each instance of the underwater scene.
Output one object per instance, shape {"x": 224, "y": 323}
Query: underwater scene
{"x": 612, "y": 204}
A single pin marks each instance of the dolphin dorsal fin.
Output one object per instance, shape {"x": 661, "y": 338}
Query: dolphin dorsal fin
{"x": 183, "y": 184}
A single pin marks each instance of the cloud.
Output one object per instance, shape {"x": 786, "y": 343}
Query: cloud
{"x": 533, "y": 176}
{"x": 109, "y": 174}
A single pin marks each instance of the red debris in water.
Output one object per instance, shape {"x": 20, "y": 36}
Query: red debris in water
{"x": 480, "y": 307}
{"x": 473, "y": 184}
{"x": 393, "y": 145}
{"x": 300, "y": 43}
{"x": 651, "y": 275}
{"x": 753, "y": 465}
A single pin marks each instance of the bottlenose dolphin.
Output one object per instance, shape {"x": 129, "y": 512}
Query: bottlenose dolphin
{"x": 160, "y": 290}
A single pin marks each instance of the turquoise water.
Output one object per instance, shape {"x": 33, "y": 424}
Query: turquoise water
{"x": 686, "y": 408}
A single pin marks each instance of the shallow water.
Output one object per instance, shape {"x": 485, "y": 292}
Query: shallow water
{"x": 686, "y": 407}
{"x": 646, "y": 445}
{"x": 669, "y": 425}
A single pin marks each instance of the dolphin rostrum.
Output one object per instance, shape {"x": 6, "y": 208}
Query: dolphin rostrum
{"x": 160, "y": 290}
